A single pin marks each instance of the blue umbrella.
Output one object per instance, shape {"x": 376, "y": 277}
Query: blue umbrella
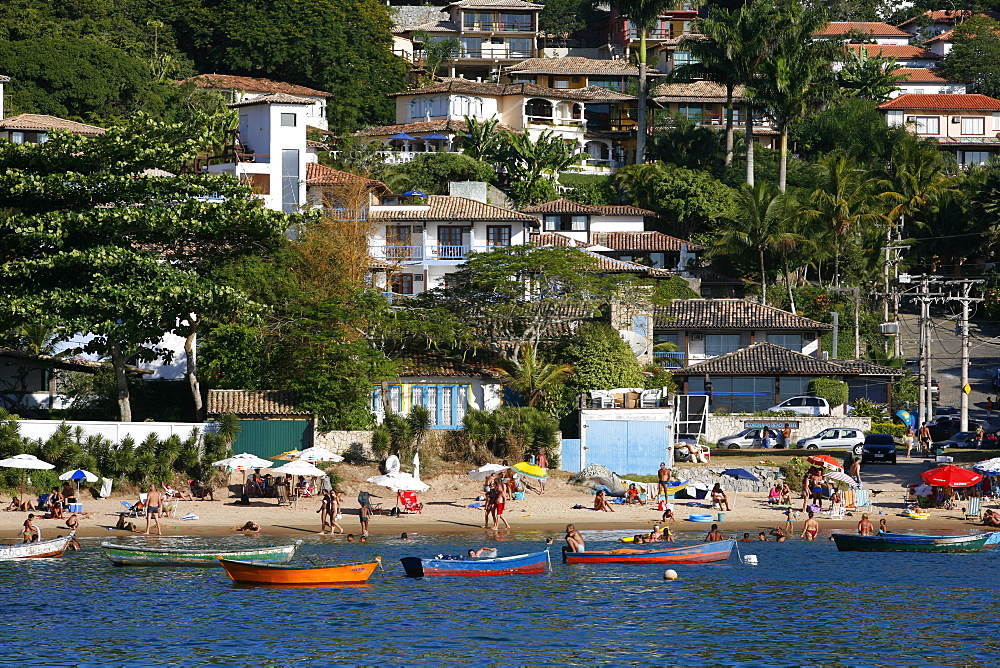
{"x": 740, "y": 474}
{"x": 403, "y": 135}
{"x": 434, "y": 135}
{"x": 413, "y": 193}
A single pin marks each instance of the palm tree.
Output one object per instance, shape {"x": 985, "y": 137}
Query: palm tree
{"x": 534, "y": 379}
{"x": 760, "y": 227}
{"x": 790, "y": 83}
{"x": 436, "y": 50}
{"x": 482, "y": 139}
{"x": 869, "y": 77}
{"x": 643, "y": 14}
{"x": 845, "y": 201}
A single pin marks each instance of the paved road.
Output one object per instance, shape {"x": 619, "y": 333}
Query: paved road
{"x": 946, "y": 353}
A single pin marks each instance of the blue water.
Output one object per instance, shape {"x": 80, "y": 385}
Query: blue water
{"x": 805, "y": 603}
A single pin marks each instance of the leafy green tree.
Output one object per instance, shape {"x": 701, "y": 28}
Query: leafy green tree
{"x": 680, "y": 142}
{"x": 868, "y": 77}
{"x": 559, "y": 19}
{"x": 831, "y": 389}
{"x": 601, "y": 360}
{"x": 430, "y": 173}
{"x": 528, "y": 162}
{"x": 975, "y": 55}
{"x": 533, "y": 378}
{"x": 483, "y": 139}
{"x": 436, "y": 50}
{"x": 851, "y": 127}
{"x": 95, "y": 246}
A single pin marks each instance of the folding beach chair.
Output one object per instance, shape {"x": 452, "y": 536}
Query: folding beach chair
{"x": 975, "y": 508}
{"x": 861, "y": 498}
{"x": 410, "y": 503}
{"x": 134, "y": 509}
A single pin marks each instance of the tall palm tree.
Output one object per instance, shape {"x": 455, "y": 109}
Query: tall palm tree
{"x": 533, "y": 378}
{"x": 643, "y": 14}
{"x": 759, "y": 227}
{"x": 790, "y": 85}
{"x": 845, "y": 201}
{"x": 870, "y": 77}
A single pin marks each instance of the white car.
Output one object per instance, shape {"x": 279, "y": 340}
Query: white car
{"x": 835, "y": 437}
{"x": 804, "y": 406}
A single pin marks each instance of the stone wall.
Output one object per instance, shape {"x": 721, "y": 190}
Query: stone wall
{"x": 720, "y": 426}
{"x": 340, "y": 442}
{"x": 706, "y": 477}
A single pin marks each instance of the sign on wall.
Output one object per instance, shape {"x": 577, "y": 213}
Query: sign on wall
{"x": 749, "y": 424}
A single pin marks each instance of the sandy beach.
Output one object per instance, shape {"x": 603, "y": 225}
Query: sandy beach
{"x": 446, "y": 511}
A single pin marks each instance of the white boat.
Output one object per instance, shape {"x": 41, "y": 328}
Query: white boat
{"x": 41, "y": 549}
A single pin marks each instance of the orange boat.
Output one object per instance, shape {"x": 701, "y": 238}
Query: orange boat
{"x": 257, "y": 573}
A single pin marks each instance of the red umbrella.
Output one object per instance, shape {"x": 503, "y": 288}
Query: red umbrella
{"x": 951, "y": 476}
{"x": 826, "y": 461}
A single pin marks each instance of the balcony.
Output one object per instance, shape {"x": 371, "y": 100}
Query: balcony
{"x": 670, "y": 360}
{"x": 498, "y": 53}
{"x": 498, "y": 26}
{"x": 429, "y": 253}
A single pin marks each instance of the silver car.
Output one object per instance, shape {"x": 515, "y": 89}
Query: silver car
{"x": 845, "y": 438}
{"x": 748, "y": 438}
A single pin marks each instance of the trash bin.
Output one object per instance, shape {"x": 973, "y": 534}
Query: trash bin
{"x": 722, "y": 517}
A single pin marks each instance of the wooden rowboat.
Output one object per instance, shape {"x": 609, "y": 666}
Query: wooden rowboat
{"x": 254, "y": 573}
{"x": 39, "y": 550}
{"x": 901, "y": 542}
{"x": 418, "y": 567}
{"x": 685, "y": 554}
{"x": 128, "y": 555}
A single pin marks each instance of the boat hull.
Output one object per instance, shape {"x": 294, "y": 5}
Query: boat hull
{"x": 254, "y": 573}
{"x": 701, "y": 553}
{"x": 521, "y": 564}
{"x": 45, "y": 549}
{"x": 909, "y": 543}
{"x": 124, "y": 555}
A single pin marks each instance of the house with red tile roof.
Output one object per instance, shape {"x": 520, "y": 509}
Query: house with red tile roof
{"x": 940, "y": 21}
{"x": 665, "y": 41}
{"x": 35, "y": 128}
{"x": 966, "y": 125}
{"x": 905, "y": 56}
{"x": 881, "y": 33}
{"x": 241, "y": 89}
{"x": 926, "y": 81}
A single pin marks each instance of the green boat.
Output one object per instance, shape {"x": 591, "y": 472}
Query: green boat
{"x": 897, "y": 542}
{"x": 127, "y": 555}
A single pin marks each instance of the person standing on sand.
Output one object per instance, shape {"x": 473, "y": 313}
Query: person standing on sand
{"x": 789, "y": 521}
{"x": 153, "y": 501}
{"x": 574, "y": 541}
{"x": 925, "y": 440}
{"x": 491, "y": 504}
{"x": 810, "y": 529}
{"x": 865, "y": 527}
{"x": 501, "y": 499}
{"x": 663, "y": 476}
{"x": 333, "y": 512}
{"x": 542, "y": 461}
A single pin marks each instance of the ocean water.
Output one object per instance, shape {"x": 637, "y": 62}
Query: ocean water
{"x": 803, "y": 604}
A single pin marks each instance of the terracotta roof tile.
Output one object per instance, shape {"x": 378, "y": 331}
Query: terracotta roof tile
{"x": 575, "y": 66}
{"x": 44, "y": 123}
{"x": 430, "y": 364}
{"x": 321, "y": 175}
{"x": 873, "y": 28}
{"x": 766, "y": 359}
{"x": 445, "y": 207}
{"x": 696, "y": 91}
{"x": 921, "y": 75}
{"x": 495, "y": 4}
{"x": 946, "y": 37}
{"x": 614, "y": 266}
{"x": 555, "y": 239}
{"x": 943, "y": 102}
{"x": 563, "y": 205}
{"x": 589, "y": 93}
{"x": 946, "y": 16}
{"x": 252, "y": 85}
{"x": 642, "y": 241}
{"x": 253, "y": 402}
{"x": 896, "y": 51}
{"x": 437, "y": 25}
{"x": 273, "y": 98}
{"x": 730, "y": 314}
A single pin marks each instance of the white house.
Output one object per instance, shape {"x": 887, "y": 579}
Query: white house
{"x": 925, "y": 81}
{"x": 904, "y": 55}
{"x": 242, "y": 89}
{"x": 881, "y": 33}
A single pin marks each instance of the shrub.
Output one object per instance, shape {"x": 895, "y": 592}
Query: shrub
{"x": 834, "y": 391}
{"x": 869, "y": 409}
{"x": 794, "y": 471}
{"x": 896, "y": 430}
{"x": 510, "y": 433}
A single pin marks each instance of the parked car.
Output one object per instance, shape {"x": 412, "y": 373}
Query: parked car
{"x": 748, "y": 438}
{"x": 804, "y": 406}
{"x": 835, "y": 437}
{"x": 944, "y": 427}
{"x": 963, "y": 439}
{"x": 879, "y": 449}
{"x": 940, "y": 411}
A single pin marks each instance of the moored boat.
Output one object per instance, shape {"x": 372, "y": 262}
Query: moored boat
{"x": 42, "y": 549}
{"x": 902, "y": 542}
{"x": 129, "y": 555}
{"x": 700, "y": 553}
{"x": 255, "y": 573}
{"x": 418, "y": 567}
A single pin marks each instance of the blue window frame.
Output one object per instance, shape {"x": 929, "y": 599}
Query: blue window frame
{"x": 447, "y": 404}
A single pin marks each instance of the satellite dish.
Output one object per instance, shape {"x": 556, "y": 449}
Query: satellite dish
{"x": 392, "y": 464}
{"x": 639, "y": 344}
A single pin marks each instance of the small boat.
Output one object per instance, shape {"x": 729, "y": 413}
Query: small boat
{"x": 255, "y": 573}
{"x": 418, "y": 567}
{"x": 904, "y": 542}
{"x": 700, "y": 553}
{"x": 39, "y": 550}
{"x": 129, "y": 555}
{"x": 992, "y": 541}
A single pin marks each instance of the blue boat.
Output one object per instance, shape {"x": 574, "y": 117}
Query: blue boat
{"x": 905, "y": 542}
{"x": 419, "y": 567}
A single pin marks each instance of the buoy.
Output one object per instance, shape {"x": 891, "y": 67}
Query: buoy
{"x": 670, "y": 574}
{"x": 750, "y": 559}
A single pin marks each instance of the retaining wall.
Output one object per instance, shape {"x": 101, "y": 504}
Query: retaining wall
{"x": 720, "y": 426}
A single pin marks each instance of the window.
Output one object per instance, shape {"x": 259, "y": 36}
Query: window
{"x": 736, "y": 393}
{"x": 497, "y": 236}
{"x": 398, "y": 242}
{"x": 640, "y": 325}
{"x": 692, "y": 112}
{"x": 17, "y": 137}
{"x": 450, "y": 242}
{"x": 447, "y": 404}
{"x": 395, "y": 400}
{"x": 927, "y": 125}
{"x": 682, "y": 58}
{"x": 477, "y": 21}
{"x": 520, "y": 47}
{"x": 439, "y": 105}
{"x": 515, "y": 22}
{"x": 720, "y": 344}
{"x": 402, "y": 284}
{"x": 566, "y": 223}
{"x": 789, "y": 341}
{"x": 290, "y": 180}
{"x": 793, "y": 386}
{"x": 472, "y": 47}
{"x": 288, "y": 120}
{"x": 613, "y": 84}
{"x": 973, "y": 125}
{"x": 974, "y": 157}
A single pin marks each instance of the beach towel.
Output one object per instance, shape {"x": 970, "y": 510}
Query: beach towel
{"x": 105, "y": 487}
{"x": 190, "y": 516}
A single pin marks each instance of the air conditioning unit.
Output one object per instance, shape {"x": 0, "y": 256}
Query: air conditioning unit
{"x": 911, "y": 119}
{"x": 889, "y": 328}
{"x": 956, "y": 119}
{"x": 418, "y": 278}
{"x": 697, "y": 336}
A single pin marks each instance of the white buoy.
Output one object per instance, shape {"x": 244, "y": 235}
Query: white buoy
{"x": 670, "y": 574}
{"x": 750, "y": 559}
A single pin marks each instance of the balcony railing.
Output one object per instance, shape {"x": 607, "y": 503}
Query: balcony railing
{"x": 400, "y": 253}
{"x": 670, "y": 360}
{"x": 498, "y": 26}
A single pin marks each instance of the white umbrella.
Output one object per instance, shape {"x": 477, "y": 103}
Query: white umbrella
{"x": 398, "y": 481}
{"x": 318, "y": 454}
{"x": 299, "y": 467}
{"x": 243, "y": 462}
{"x": 25, "y": 462}
{"x": 79, "y": 474}
{"x": 486, "y": 470}
{"x": 923, "y": 490}
{"x": 989, "y": 466}
{"x": 391, "y": 464}
{"x": 840, "y": 476}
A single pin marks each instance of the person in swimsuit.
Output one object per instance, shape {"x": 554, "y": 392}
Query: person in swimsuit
{"x": 153, "y": 510}
{"x": 810, "y": 529}
{"x": 719, "y": 497}
{"x": 714, "y": 535}
{"x": 31, "y": 533}
{"x": 72, "y": 523}
{"x": 324, "y": 513}
{"x": 363, "y": 515}
{"x": 501, "y": 500}
{"x": 668, "y": 514}
{"x": 491, "y": 504}
{"x": 542, "y": 461}
{"x": 249, "y": 527}
{"x": 601, "y": 502}
{"x": 663, "y": 475}
{"x": 574, "y": 541}
{"x": 762, "y": 536}
{"x": 483, "y": 553}
{"x": 779, "y": 534}
{"x": 865, "y": 527}
{"x": 883, "y": 527}
{"x": 746, "y": 538}
{"x": 632, "y": 496}
{"x": 925, "y": 439}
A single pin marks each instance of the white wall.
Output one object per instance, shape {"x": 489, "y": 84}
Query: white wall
{"x": 616, "y": 224}
{"x": 929, "y": 89}
{"x": 116, "y": 431}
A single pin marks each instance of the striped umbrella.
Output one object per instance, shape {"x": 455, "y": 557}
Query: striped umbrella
{"x": 840, "y": 476}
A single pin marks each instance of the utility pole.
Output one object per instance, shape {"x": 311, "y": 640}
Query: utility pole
{"x": 965, "y": 298}
{"x": 857, "y": 317}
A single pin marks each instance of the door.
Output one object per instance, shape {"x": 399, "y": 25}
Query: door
{"x": 267, "y": 438}
{"x": 627, "y": 447}
{"x": 450, "y": 242}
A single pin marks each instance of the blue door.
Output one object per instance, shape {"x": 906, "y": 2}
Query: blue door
{"x": 627, "y": 447}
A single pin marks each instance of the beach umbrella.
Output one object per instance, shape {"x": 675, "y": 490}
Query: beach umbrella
{"x": 951, "y": 476}
{"x": 988, "y": 466}
{"x": 740, "y": 474}
{"x": 26, "y": 463}
{"x": 78, "y": 475}
{"x": 399, "y": 481}
{"x": 825, "y": 461}
{"x": 314, "y": 454}
{"x": 413, "y": 193}
{"x": 299, "y": 467}
{"x": 530, "y": 470}
{"x": 416, "y": 465}
{"x": 485, "y": 471}
{"x": 243, "y": 462}
{"x": 840, "y": 476}
{"x": 391, "y": 464}
{"x": 434, "y": 135}
{"x": 403, "y": 135}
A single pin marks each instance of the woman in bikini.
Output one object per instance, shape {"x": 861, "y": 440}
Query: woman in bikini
{"x": 601, "y": 502}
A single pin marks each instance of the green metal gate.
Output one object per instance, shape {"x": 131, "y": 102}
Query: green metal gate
{"x": 267, "y": 438}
